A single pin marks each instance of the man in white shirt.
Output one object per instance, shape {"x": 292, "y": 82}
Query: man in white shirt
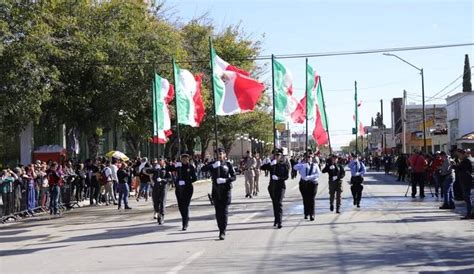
{"x": 109, "y": 192}
{"x": 114, "y": 169}
{"x": 310, "y": 172}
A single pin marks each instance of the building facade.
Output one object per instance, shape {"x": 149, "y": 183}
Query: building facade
{"x": 460, "y": 117}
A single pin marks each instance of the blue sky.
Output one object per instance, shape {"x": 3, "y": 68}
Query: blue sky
{"x": 327, "y": 26}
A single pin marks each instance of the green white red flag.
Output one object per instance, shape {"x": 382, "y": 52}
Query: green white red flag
{"x": 162, "y": 95}
{"x": 320, "y": 132}
{"x": 285, "y": 103}
{"x": 190, "y": 105}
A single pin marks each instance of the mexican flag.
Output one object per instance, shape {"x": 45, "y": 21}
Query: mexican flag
{"x": 299, "y": 115}
{"x": 285, "y": 103}
{"x": 320, "y": 132}
{"x": 190, "y": 105}
{"x": 235, "y": 92}
{"x": 162, "y": 95}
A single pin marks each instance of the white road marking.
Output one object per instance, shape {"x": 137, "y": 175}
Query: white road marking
{"x": 249, "y": 217}
{"x": 185, "y": 263}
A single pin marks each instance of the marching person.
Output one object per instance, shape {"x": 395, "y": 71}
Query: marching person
{"x": 335, "y": 172}
{"x": 310, "y": 172}
{"x": 279, "y": 172}
{"x": 248, "y": 166}
{"x": 185, "y": 177}
{"x": 161, "y": 178}
{"x": 222, "y": 175}
{"x": 464, "y": 170}
{"x": 357, "y": 178}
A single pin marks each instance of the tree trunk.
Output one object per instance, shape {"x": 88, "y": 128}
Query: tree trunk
{"x": 133, "y": 143}
{"x": 93, "y": 144}
{"x": 204, "y": 145}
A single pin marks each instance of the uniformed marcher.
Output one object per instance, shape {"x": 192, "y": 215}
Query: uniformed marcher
{"x": 310, "y": 172}
{"x": 185, "y": 177}
{"x": 161, "y": 178}
{"x": 248, "y": 167}
{"x": 357, "y": 179}
{"x": 335, "y": 172}
{"x": 279, "y": 170}
{"x": 222, "y": 175}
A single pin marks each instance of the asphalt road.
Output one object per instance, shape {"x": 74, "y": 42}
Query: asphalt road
{"x": 388, "y": 233}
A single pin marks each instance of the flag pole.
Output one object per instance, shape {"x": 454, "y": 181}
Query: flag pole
{"x": 356, "y": 115}
{"x": 176, "y": 106}
{"x": 306, "y": 106}
{"x": 325, "y": 115}
{"x": 155, "y": 114}
{"x": 213, "y": 95}
{"x": 273, "y": 94}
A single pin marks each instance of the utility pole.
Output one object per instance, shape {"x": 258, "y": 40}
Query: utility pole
{"x": 404, "y": 122}
{"x": 382, "y": 126}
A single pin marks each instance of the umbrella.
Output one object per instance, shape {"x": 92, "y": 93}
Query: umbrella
{"x": 117, "y": 155}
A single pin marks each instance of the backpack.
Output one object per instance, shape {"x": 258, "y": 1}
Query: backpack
{"x": 103, "y": 178}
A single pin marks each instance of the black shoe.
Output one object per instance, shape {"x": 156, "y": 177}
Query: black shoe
{"x": 279, "y": 226}
{"x": 118, "y": 208}
{"x": 127, "y": 207}
{"x": 413, "y": 196}
{"x": 306, "y": 217}
{"x": 358, "y": 205}
{"x": 422, "y": 196}
{"x": 250, "y": 196}
{"x": 355, "y": 202}
{"x": 184, "y": 228}
{"x": 337, "y": 211}
{"x": 331, "y": 207}
{"x": 467, "y": 217}
{"x": 274, "y": 223}
{"x": 447, "y": 207}
{"x": 222, "y": 236}
{"x": 160, "y": 219}
{"x": 311, "y": 218}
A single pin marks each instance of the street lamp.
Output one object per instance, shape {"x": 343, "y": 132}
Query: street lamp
{"x": 422, "y": 94}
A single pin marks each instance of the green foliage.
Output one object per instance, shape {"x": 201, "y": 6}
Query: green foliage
{"x": 83, "y": 63}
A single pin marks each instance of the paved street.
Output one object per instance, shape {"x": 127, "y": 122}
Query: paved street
{"x": 388, "y": 233}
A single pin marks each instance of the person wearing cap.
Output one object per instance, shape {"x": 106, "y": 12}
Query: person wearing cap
{"x": 279, "y": 170}
{"x": 222, "y": 175}
{"x": 418, "y": 166}
{"x": 310, "y": 172}
{"x": 357, "y": 178}
{"x": 248, "y": 167}
{"x": 447, "y": 178}
{"x": 185, "y": 177}
{"x": 335, "y": 173}
{"x": 161, "y": 177}
{"x": 464, "y": 172}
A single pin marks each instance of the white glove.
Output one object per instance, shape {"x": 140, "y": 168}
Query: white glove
{"x": 274, "y": 177}
{"x": 178, "y": 164}
{"x": 159, "y": 179}
{"x": 181, "y": 182}
{"x": 221, "y": 180}
{"x": 274, "y": 162}
{"x": 332, "y": 167}
{"x": 357, "y": 174}
{"x": 216, "y": 164}
{"x": 334, "y": 178}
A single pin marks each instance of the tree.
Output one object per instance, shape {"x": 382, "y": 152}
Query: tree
{"x": 378, "y": 120}
{"x": 466, "y": 78}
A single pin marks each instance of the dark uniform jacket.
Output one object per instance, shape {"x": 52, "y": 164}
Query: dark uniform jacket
{"x": 161, "y": 172}
{"x": 225, "y": 171}
{"x": 464, "y": 172}
{"x": 335, "y": 174}
{"x": 280, "y": 169}
{"x": 185, "y": 173}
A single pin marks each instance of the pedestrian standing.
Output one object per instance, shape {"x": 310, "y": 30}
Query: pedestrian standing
{"x": 161, "y": 178}
{"x": 30, "y": 177}
{"x": 108, "y": 183}
{"x": 258, "y": 165}
{"x": 357, "y": 178}
{"x": 435, "y": 169}
{"x": 310, "y": 172}
{"x": 6, "y": 186}
{"x": 145, "y": 181}
{"x": 464, "y": 171}
{"x": 123, "y": 176}
{"x": 54, "y": 180}
{"x": 248, "y": 166}
{"x": 279, "y": 169}
{"x": 402, "y": 167}
{"x": 335, "y": 172}
{"x": 418, "y": 166}
{"x": 447, "y": 178}
{"x": 185, "y": 177}
{"x": 222, "y": 176}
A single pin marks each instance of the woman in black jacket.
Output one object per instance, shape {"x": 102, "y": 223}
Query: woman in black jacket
{"x": 279, "y": 172}
{"x": 335, "y": 172}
